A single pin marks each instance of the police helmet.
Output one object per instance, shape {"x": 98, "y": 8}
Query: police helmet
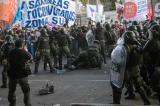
{"x": 107, "y": 26}
{"x": 145, "y": 28}
{"x": 134, "y": 23}
{"x": 43, "y": 31}
{"x": 154, "y": 32}
{"x": 153, "y": 23}
{"x": 98, "y": 25}
{"x": 132, "y": 28}
{"x": 155, "y": 27}
{"x": 139, "y": 28}
{"x": 8, "y": 38}
{"x": 62, "y": 30}
{"x": 129, "y": 37}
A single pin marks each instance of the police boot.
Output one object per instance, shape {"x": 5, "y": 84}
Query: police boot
{"x": 69, "y": 60}
{"x": 159, "y": 97}
{"x": 116, "y": 98}
{"x": 130, "y": 91}
{"x": 147, "y": 89}
{"x": 4, "y": 86}
{"x": 130, "y": 96}
{"x": 60, "y": 67}
{"x": 45, "y": 66}
{"x": 51, "y": 67}
{"x": 36, "y": 68}
{"x": 12, "y": 104}
{"x": 55, "y": 62}
{"x": 28, "y": 105}
{"x": 4, "y": 80}
{"x": 99, "y": 65}
{"x": 144, "y": 97}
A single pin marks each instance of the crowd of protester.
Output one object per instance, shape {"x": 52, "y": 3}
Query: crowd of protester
{"x": 88, "y": 46}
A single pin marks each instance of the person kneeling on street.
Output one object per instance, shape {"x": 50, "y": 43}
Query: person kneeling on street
{"x": 90, "y": 58}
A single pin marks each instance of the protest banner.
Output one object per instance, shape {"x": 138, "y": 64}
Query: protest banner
{"x": 37, "y": 13}
{"x": 92, "y": 11}
{"x": 119, "y": 10}
{"x": 135, "y": 10}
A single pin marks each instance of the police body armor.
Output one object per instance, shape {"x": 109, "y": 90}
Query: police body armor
{"x": 62, "y": 40}
{"x": 118, "y": 59}
{"x": 93, "y": 56}
{"x": 43, "y": 49}
{"x": 44, "y": 42}
{"x": 53, "y": 42}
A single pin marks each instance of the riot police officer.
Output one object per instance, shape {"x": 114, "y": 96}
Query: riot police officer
{"x": 63, "y": 43}
{"x": 132, "y": 70}
{"x": 129, "y": 83}
{"x": 90, "y": 58}
{"x": 54, "y": 46}
{"x": 99, "y": 35}
{"x": 6, "y": 48}
{"x": 110, "y": 38}
{"x": 43, "y": 50}
{"x": 152, "y": 47}
{"x": 74, "y": 33}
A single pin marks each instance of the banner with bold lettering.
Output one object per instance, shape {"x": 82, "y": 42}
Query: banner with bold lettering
{"x": 8, "y": 10}
{"x": 135, "y": 10}
{"x": 37, "y": 13}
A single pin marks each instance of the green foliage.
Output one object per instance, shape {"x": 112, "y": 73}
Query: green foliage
{"x": 84, "y": 2}
{"x": 113, "y": 4}
{"x": 104, "y": 1}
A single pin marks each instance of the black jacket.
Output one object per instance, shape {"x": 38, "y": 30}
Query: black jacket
{"x": 17, "y": 59}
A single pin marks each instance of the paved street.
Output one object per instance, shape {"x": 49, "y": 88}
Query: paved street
{"x": 80, "y": 86}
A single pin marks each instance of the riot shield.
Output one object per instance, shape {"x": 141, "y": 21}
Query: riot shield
{"x": 118, "y": 59}
{"x": 90, "y": 38}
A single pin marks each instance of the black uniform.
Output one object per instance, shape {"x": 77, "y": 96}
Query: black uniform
{"x": 152, "y": 47}
{"x": 132, "y": 70}
{"x": 54, "y": 46}
{"x": 43, "y": 50}
{"x": 63, "y": 43}
{"x": 99, "y": 35}
{"x": 90, "y": 58}
{"x": 6, "y": 48}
